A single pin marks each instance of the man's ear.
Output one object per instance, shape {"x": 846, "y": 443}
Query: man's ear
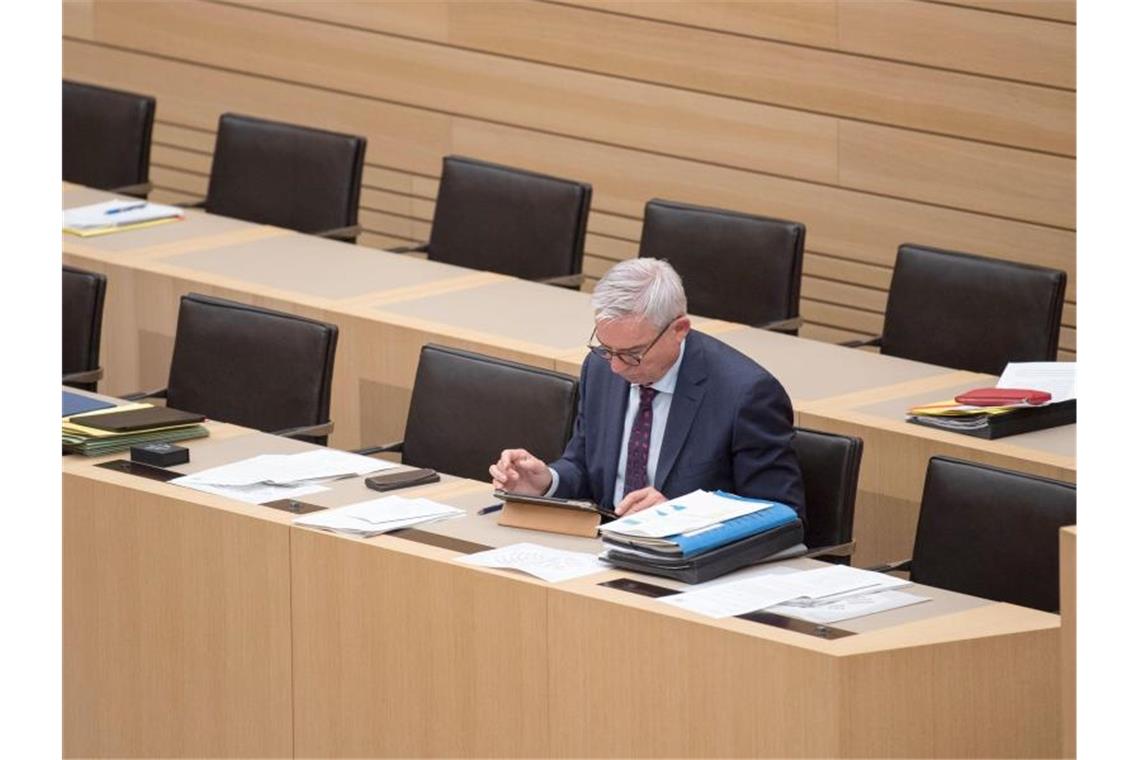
{"x": 682, "y": 326}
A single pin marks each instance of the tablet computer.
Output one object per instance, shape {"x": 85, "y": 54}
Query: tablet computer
{"x": 581, "y": 505}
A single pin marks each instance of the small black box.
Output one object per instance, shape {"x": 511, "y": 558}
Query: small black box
{"x": 160, "y": 454}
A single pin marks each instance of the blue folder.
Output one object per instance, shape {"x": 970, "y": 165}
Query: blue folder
{"x": 73, "y": 403}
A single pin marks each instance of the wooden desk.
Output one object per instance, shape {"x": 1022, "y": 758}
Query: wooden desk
{"x": 1069, "y": 640}
{"x": 896, "y": 453}
{"x": 199, "y": 626}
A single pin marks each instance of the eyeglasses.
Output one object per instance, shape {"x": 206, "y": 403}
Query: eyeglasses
{"x": 631, "y": 357}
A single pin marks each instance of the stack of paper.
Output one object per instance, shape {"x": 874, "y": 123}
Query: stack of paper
{"x": 807, "y": 589}
{"x": 270, "y": 477}
{"x": 116, "y": 216}
{"x": 371, "y": 518}
{"x": 551, "y": 565}
{"x": 684, "y": 514}
{"x": 89, "y": 441}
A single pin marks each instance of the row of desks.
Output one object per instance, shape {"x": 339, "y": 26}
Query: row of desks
{"x": 199, "y": 626}
{"x": 387, "y": 306}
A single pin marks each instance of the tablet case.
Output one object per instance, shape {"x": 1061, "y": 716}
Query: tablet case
{"x": 717, "y": 562}
{"x": 142, "y": 419}
{"x": 390, "y": 481}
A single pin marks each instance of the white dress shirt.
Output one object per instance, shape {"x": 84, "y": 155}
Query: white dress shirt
{"x": 661, "y": 404}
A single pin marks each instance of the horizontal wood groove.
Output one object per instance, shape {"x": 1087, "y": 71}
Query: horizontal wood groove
{"x": 999, "y": 12}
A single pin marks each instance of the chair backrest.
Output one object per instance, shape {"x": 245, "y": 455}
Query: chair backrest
{"x": 738, "y": 267}
{"x": 83, "y": 294}
{"x": 106, "y": 136}
{"x": 971, "y": 312}
{"x": 507, "y": 220}
{"x": 466, "y": 408}
{"x": 830, "y": 466}
{"x": 250, "y": 366}
{"x": 286, "y": 175}
{"x": 991, "y": 532}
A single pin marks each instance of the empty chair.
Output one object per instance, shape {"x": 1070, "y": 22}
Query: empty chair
{"x": 106, "y": 138}
{"x": 830, "y": 466}
{"x": 83, "y": 294}
{"x": 466, "y": 408}
{"x": 738, "y": 267}
{"x": 970, "y": 312}
{"x": 991, "y": 533}
{"x": 286, "y": 175}
{"x": 251, "y": 366}
{"x": 508, "y": 220}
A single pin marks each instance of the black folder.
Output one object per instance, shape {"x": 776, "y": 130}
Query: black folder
{"x": 141, "y": 419}
{"x": 1024, "y": 420}
{"x": 715, "y": 563}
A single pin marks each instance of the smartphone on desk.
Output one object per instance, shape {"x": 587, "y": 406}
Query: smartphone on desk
{"x": 390, "y": 481}
{"x": 582, "y": 505}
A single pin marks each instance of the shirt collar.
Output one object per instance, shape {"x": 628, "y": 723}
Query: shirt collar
{"x": 668, "y": 381}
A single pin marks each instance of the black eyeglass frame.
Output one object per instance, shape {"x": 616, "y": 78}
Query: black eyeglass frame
{"x": 627, "y": 357}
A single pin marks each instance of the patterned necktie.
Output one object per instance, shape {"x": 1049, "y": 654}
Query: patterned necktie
{"x": 637, "y": 453}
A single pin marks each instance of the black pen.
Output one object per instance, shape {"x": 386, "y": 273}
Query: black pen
{"x": 488, "y": 510}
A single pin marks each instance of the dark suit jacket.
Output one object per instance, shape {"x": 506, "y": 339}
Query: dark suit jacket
{"x": 729, "y": 427}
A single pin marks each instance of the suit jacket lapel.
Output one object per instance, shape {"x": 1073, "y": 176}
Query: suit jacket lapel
{"x": 613, "y": 423}
{"x": 687, "y": 397}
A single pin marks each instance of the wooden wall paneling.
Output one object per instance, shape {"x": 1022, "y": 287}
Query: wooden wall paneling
{"x": 813, "y": 80}
{"x": 1002, "y": 181}
{"x": 181, "y": 136}
{"x": 1057, "y": 10}
{"x": 963, "y": 39}
{"x": 431, "y": 76}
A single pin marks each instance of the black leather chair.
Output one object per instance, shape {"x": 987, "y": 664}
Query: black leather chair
{"x": 830, "y": 467}
{"x": 466, "y": 408}
{"x": 286, "y": 175}
{"x": 738, "y": 267}
{"x": 83, "y": 294}
{"x": 970, "y": 312}
{"x": 106, "y": 138}
{"x": 991, "y": 533}
{"x": 251, "y": 366}
{"x": 508, "y": 220}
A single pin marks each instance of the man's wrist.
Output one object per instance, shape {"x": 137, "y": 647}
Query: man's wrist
{"x": 553, "y": 481}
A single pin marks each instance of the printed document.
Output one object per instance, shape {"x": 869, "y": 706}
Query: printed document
{"x": 551, "y": 565}
{"x": 848, "y": 607}
{"x": 258, "y": 493}
{"x": 692, "y": 511}
{"x": 287, "y": 469}
{"x": 376, "y": 516}
{"x": 117, "y": 213}
{"x": 1058, "y": 378}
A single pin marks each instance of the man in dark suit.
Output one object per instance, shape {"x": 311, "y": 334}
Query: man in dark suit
{"x": 664, "y": 409}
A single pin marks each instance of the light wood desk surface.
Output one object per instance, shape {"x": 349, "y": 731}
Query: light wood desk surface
{"x": 387, "y": 306}
{"x": 195, "y": 625}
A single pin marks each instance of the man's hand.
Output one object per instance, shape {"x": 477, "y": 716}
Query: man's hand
{"x": 519, "y": 471}
{"x": 642, "y": 498}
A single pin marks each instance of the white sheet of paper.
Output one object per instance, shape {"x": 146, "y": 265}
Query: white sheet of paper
{"x": 686, "y": 513}
{"x": 1058, "y": 378}
{"x": 287, "y": 469}
{"x": 254, "y": 494}
{"x": 376, "y": 516}
{"x": 551, "y": 565}
{"x": 764, "y": 591}
{"x": 96, "y": 215}
{"x": 849, "y": 607}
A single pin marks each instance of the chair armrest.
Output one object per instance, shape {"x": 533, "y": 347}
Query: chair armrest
{"x": 139, "y": 191}
{"x": 396, "y": 446}
{"x": 876, "y": 341}
{"x": 323, "y": 428}
{"x": 347, "y": 234}
{"x": 573, "y": 281}
{"x": 902, "y": 565}
{"x": 87, "y": 376}
{"x": 200, "y": 203}
{"x": 419, "y": 248}
{"x": 158, "y": 393}
{"x": 836, "y": 550}
{"x": 780, "y": 325}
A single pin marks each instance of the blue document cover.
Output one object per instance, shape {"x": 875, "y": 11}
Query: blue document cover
{"x": 73, "y": 403}
{"x": 735, "y": 529}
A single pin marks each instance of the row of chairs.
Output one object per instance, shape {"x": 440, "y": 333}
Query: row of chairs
{"x": 738, "y": 267}
{"x": 982, "y": 531}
